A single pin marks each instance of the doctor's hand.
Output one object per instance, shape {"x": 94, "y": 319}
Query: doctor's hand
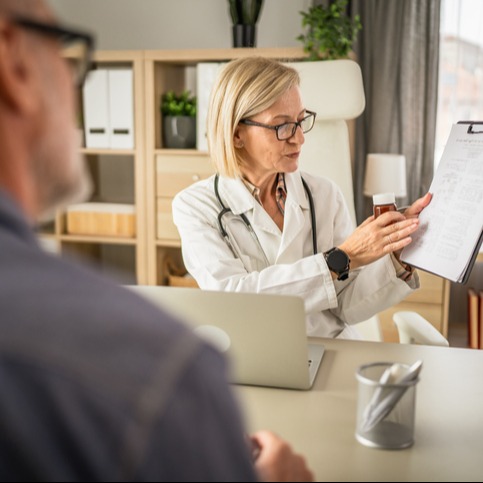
{"x": 415, "y": 209}
{"x": 413, "y": 212}
{"x": 276, "y": 461}
{"x": 374, "y": 238}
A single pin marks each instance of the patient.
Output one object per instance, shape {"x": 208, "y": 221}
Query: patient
{"x": 96, "y": 384}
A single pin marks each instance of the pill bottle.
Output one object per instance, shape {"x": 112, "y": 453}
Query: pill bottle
{"x": 384, "y": 202}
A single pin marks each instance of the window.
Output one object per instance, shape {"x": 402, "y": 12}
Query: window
{"x": 460, "y": 95}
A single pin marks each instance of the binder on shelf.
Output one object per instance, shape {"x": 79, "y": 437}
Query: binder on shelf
{"x": 450, "y": 230}
{"x": 473, "y": 320}
{"x": 121, "y": 110}
{"x": 206, "y": 74}
{"x": 96, "y": 109}
{"x": 109, "y": 109}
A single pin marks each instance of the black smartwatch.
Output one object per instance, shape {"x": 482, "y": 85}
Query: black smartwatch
{"x": 338, "y": 262}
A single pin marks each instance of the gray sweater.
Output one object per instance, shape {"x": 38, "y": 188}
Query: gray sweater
{"x": 96, "y": 384}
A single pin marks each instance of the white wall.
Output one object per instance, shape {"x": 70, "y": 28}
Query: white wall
{"x": 178, "y": 24}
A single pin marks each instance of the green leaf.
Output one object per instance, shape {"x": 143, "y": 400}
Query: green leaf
{"x": 183, "y": 104}
{"x": 329, "y": 32}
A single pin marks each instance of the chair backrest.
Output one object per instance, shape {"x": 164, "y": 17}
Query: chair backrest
{"x": 413, "y": 328}
{"x": 334, "y": 90}
{"x": 370, "y": 329}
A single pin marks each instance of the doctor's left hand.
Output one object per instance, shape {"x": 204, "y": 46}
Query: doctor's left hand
{"x": 415, "y": 209}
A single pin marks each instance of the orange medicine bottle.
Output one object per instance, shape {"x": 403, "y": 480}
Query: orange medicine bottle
{"x": 384, "y": 202}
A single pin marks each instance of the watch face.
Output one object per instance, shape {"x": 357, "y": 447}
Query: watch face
{"x": 337, "y": 260}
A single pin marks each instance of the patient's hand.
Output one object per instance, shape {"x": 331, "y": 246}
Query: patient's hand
{"x": 276, "y": 460}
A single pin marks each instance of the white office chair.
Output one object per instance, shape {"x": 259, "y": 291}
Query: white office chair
{"x": 370, "y": 329}
{"x": 415, "y": 329}
{"x": 335, "y": 91}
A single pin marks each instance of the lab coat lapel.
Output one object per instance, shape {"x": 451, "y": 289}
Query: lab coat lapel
{"x": 236, "y": 196}
{"x": 240, "y": 200}
{"x": 295, "y": 223}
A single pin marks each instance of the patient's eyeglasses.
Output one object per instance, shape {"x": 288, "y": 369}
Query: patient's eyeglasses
{"x": 286, "y": 130}
{"x": 77, "y": 46}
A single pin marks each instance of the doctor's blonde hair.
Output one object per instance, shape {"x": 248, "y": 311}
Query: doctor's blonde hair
{"x": 244, "y": 88}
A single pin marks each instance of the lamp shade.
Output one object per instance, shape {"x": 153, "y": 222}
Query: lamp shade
{"x": 385, "y": 173}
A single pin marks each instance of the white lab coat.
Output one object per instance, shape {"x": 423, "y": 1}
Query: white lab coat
{"x": 331, "y": 306}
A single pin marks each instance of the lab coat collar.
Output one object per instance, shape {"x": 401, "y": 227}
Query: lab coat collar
{"x": 235, "y": 194}
{"x": 295, "y": 190}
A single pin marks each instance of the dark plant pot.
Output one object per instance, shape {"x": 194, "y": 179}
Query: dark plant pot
{"x": 244, "y": 35}
{"x": 179, "y": 132}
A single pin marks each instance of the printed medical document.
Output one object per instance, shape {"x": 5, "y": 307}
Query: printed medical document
{"x": 451, "y": 226}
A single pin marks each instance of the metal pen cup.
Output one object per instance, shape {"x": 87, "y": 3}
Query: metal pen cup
{"x": 385, "y": 410}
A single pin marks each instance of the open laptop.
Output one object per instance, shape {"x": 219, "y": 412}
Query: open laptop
{"x": 262, "y": 335}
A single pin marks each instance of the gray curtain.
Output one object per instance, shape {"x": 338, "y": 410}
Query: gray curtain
{"x": 398, "y": 51}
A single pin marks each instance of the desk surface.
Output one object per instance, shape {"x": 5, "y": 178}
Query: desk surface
{"x": 320, "y": 423}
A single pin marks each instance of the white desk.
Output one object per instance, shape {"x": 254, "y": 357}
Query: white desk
{"x": 320, "y": 423}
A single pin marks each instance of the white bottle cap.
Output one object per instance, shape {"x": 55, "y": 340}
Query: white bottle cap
{"x": 384, "y": 199}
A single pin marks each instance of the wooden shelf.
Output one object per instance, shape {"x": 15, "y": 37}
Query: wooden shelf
{"x": 107, "y": 152}
{"x": 181, "y": 152}
{"x": 168, "y": 243}
{"x": 97, "y": 239}
{"x": 129, "y": 176}
{"x": 193, "y": 56}
{"x": 175, "y": 69}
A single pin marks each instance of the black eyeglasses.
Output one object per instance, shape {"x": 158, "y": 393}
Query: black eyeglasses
{"x": 77, "y": 47}
{"x": 287, "y": 129}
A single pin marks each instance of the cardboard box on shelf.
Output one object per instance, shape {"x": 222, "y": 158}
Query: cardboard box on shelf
{"x": 102, "y": 219}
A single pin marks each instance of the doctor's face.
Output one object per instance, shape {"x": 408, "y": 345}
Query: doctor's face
{"x": 262, "y": 152}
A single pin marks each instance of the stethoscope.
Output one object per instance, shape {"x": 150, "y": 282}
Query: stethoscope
{"x": 246, "y": 221}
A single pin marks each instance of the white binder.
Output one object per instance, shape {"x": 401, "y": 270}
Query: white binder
{"x": 96, "y": 109}
{"x": 206, "y": 75}
{"x": 121, "y": 110}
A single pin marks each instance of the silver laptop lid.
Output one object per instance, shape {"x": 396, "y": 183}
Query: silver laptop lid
{"x": 263, "y": 335}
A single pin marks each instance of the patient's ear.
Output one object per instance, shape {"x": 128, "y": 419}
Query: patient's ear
{"x": 18, "y": 89}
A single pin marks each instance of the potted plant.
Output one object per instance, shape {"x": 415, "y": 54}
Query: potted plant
{"x": 330, "y": 31}
{"x": 179, "y": 120}
{"x": 244, "y": 16}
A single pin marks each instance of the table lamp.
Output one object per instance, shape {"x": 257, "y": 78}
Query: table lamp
{"x": 385, "y": 173}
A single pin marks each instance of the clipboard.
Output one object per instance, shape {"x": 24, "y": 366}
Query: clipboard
{"x": 450, "y": 234}
{"x": 473, "y": 130}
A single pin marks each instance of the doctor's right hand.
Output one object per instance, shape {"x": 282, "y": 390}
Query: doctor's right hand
{"x": 374, "y": 238}
{"x": 276, "y": 461}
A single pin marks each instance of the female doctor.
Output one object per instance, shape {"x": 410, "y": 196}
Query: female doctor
{"x": 260, "y": 225}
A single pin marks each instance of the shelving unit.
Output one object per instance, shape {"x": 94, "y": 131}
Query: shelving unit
{"x": 168, "y": 170}
{"x": 458, "y": 326}
{"x": 119, "y": 177}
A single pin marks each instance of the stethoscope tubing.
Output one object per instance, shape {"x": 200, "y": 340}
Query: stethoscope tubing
{"x": 225, "y": 210}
